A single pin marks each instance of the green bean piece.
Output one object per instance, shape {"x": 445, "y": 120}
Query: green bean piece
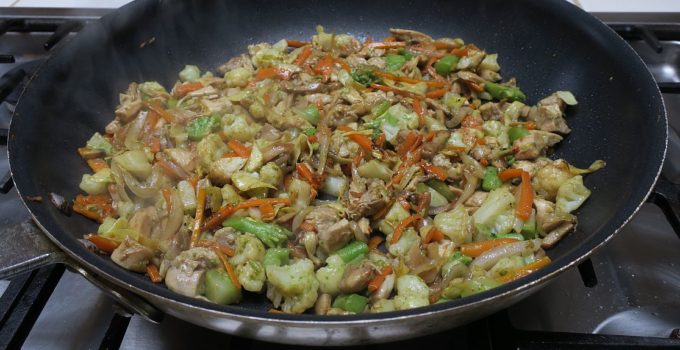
{"x": 271, "y": 235}
{"x": 517, "y": 132}
{"x": 351, "y": 302}
{"x": 516, "y": 236}
{"x": 442, "y": 188}
{"x": 491, "y": 181}
{"x": 311, "y": 113}
{"x": 276, "y": 257}
{"x": 504, "y": 92}
{"x": 446, "y": 64}
{"x": 352, "y": 251}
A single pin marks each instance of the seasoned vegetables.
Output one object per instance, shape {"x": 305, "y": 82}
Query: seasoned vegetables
{"x": 334, "y": 175}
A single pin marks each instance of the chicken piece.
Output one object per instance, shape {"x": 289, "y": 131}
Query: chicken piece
{"x": 410, "y": 36}
{"x": 469, "y": 76}
{"x": 420, "y": 264}
{"x": 131, "y": 255}
{"x": 186, "y": 274}
{"x": 184, "y": 158}
{"x": 374, "y": 196}
{"x": 549, "y": 115}
{"x": 113, "y": 127}
{"x": 341, "y": 115}
{"x": 535, "y": 144}
{"x": 557, "y": 234}
{"x": 333, "y": 230}
{"x": 220, "y": 171}
{"x": 431, "y": 148}
{"x": 385, "y": 289}
{"x": 489, "y": 75}
{"x": 491, "y": 110}
{"x": 356, "y": 277}
{"x": 242, "y": 61}
{"x": 146, "y": 222}
{"x": 476, "y": 199}
{"x": 376, "y": 62}
{"x": 128, "y": 111}
{"x": 307, "y": 87}
{"x": 548, "y": 219}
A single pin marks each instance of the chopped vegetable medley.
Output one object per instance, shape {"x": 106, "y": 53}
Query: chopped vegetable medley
{"x": 334, "y": 176}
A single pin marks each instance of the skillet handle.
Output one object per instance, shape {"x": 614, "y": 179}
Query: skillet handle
{"x": 23, "y": 247}
{"x": 667, "y": 196}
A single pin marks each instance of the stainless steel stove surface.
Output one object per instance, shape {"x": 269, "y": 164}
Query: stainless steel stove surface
{"x": 628, "y": 290}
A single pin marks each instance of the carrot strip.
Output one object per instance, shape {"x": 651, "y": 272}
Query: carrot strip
{"x": 229, "y": 209}
{"x": 171, "y": 170}
{"x": 230, "y": 155}
{"x": 303, "y": 56}
{"x": 436, "y": 93}
{"x": 102, "y": 243}
{"x": 380, "y": 141}
{"x": 530, "y": 126}
{"x": 152, "y": 272}
{"x": 404, "y": 203}
{"x": 374, "y": 242}
{"x": 194, "y": 181}
{"x": 239, "y": 148}
{"x": 484, "y": 161}
{"x": 227, "y": 267}
{"x": 473, "y": 86}
{"x": 272, "y": 72}
{"x": 343, "y": 64}
{"x": 402, "y": 226}
{"x": 155, "y": 106}
{"x": 508, "y": 174}
{"x": 412, "y": 139}
{"x": 387, "y": 45}
{"x": 307, "y": 226}
{"x": 94, "y": 207}
{"x": 376, "y": 282}
{"x": 363, "y": 141}
{"x": 435, "y": 170}
{"x": 526, "y": 269}
{"x": 155, "y": 145}
{"x": 437, "y": 84}
{"x": 476, "y": 249}
{"x": 433, "y": 235}
{"x": 526, "y": 198}
{"x": 462, "y": 52}
{"x": 395, "y": 90}
{"x": 324, "y": 66}
{"x": 227, "y": 250}
{"x": 97, "y": 164}
{"x": 200, "y": 212}
{"x": 390, "y": 39}
{"x": 267, "y": 212}
{"x": 167, "y": 195}
{"x": 312, "y": 138}
{"x": 426, "y": 51}
{"x": 420, "y": 112}
{"x": 296, "y": 43}
{"x": 183, "y": 89}
{"x": 306, "y": 173}
{"x": 150, "y": 123}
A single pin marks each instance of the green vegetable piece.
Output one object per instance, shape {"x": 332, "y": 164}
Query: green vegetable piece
{"x": 446, "y": 64}
{"x": 271, "y": 235}
{"x": 504, "y": 92}
{"x": 219, "y": 288}
{"x": 421, "y": 188}
{"x": 190, "y": 73}
{"x": 517, "y": 132}
{"x": 351, "y": 302}
{"x": 364, "y": 76}
{"x": 459, "y": 257}
{"x": 311, "y": 113}
{"x": 309, "y": 131}
{"x": 202, "y": 127}
{"x": 97, "y": 141}
{"x": 394, "y": 62}
{"x": 352, "y": 251}
{"x": 172, "y": 102}
{"x": 276, "y": 257}
{"x": 406, "y": 53}
{"x": 442, "y": 188}
{"x": 491, "y": 181}
{"x": 529, "y": 228}
{"x": 510, "y": 159}
{"x": 516, "y": 236}
{"x": 442, "y": 300}
{"x": 380, "y": 108}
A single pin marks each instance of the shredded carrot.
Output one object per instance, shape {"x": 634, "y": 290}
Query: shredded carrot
{"x": 413, "y": 140}
{"x": 94, "y": 207}
{"x": 343, "y": 64}
{"x": 433, "y": 235}
{"x": 440, "y": 45}
{"x": 380, "y": 141}
{"x": 272, "y": 72}
{"x": 194, "y": 181}
{"x": 412, "y": 157}
{"x": 394, "y": 90}
{"x": 227, "y": 267}
{"x": 461, "y": 52}
{"x": 312, "y": 138}
{"x": 455, "y": 149}
{"x": 363, "y": 140}
{"x": 102, "y": 243}
{"x": 307, "y": 226}
{"x": 508, "y": 174}
{"x": 230, "y": 155}
{"x": 155, "y": 106}
{"x": 170, "y": 170}
{"x": 227, "y": 250}
{"x": 150, "y": 122}
{"x": 306, "y": 174}
{"x": 324, "y": 66}
{"x": 480, "y": 141}
{"x": 530, "y": 125}
{"x": 404, "y": 203}
{"x": 155, "y": 145}
{"x": 390, "y": 39}
{"x": 378, "y": 280}
{"x": 200, "y": 212}
{"x": 526, "y": 269}
{"x": 183, "y": 89}
{"x": 267, "y": 212}
{"x": 239, "y": 148}
{"x": 303, "y": 56}
{"x": 470, "y": 122}
{"x": 420, "y": 112}
{"x": 374, "y": 242}
{"x": 167, "y": 195}
{"x": 152, "y": 272}
{"x": 473, "y": 86}
{"x": 476, "y": 249}
{"x": 97, "y": 164}
{"x": 427, "y": 51}
{"x": 229, "y": 209}
{"x": 435, "y": 170}
{"x": 436, "y": 84}
{"x": 436, "y": 93}
{"x": 484, "y": 161}
{"x": 368, "y": 40}
{"x": 526, "y": 198}
{"x": 296, "y": 43}
{"x": 402, "y": 226}
{"x": 386, "y": 45}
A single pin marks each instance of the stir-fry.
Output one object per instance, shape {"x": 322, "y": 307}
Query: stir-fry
{"x": 334, "y": 175}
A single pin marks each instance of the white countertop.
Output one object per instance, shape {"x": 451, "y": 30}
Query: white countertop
{"x": 589, "y": 5}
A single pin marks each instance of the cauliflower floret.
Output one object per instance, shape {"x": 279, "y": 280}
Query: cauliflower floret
{"x": 251, "y": 276}
{"x": 238, "y": 77}
{"x": 236, "y": 127}
{"x": 248, "y": 248}
{"x": 295, "y": 284}
{"x": 210, "y": 149}
{"x": 455, "y": 224}
{"x": 330, "y": 275}
{"x": 411, "y": 292}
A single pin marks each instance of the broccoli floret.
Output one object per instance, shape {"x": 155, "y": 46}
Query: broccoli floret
{"x": 295, "y": 284}
{"x": 330, "y": 275}
{"x": 248, "y": 248}
{"x": 251, "y": 276}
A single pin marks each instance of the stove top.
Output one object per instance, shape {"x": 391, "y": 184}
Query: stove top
{"x": 625, "y": 295}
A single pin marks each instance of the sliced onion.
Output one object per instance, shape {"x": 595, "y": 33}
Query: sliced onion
{"x": 148, "y": 189}
{"x": 175, "y": 217}
{"x": 272, "y": 151}
{"x": 471, "y": 184}
{"x": 134, "y": 130}
{"x": 490, "y": 257}
{"x": 297, "y": 220}
{"x": 324, "y": 138}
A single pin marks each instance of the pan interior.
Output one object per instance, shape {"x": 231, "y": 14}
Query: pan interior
{"x": 546, "y": 45}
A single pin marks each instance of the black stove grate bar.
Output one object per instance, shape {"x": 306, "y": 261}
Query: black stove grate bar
{"x": 7, "y": 58}
{"x": 23, "y": 301}
{"x": 41, "y": 25}
{"x": 62, "y": 31}
{"x": 669, "y": 87}
{"x": 115, "y": 333}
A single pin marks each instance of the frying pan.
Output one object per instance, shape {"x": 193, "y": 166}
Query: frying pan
{"x": 546, "y": 45}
